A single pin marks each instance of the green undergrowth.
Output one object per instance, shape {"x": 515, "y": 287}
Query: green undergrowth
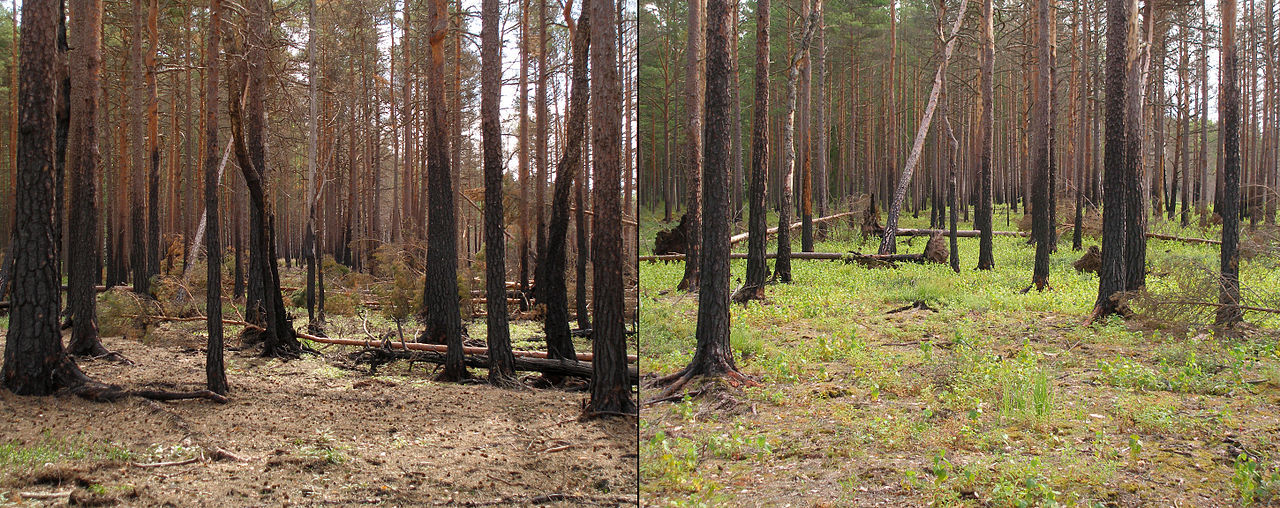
{"x": 989, "y": 396}
{"x": 20, "y": 457}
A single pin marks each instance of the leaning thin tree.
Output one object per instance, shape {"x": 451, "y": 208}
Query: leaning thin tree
{"x": 553, "y": 289}
{"x": 888, "y": 244}
{"x": 265, "y": 304}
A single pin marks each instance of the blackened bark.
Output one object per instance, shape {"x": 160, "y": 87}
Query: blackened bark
{"x": 1111, "y": 277}
{"x": 137, "y": 205}
{"x": 610, "y": 389}
{"x": 1135, "y": 248}
{"x": 757, "y": 267}
{"x": 153, "y": 140}
{"x": 440, "y": 293}
{"x": 982, "y": 218}
{"x": 1040, "y": 142}
{"x": 265, "y": 304}
{"x": 34, "y": 361}
{"x": 713, "y": 355}
{"x": 61, "y": 133}
{"x": 1229, "y": 296}
{"x": 501, "y": 361}
{"x": 215, "y": 370}
{"x": 693, "y": 101}
{"x": 583, "y": 243}
{"x": 552, "y": 266}
{"x": 82, "y": 164}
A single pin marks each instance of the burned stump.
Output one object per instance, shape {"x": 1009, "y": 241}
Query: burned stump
{"x": 1091, "y": 261}
{"x": 674, "y": 240}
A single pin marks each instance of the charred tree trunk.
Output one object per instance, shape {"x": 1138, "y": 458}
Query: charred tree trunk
{"x": 713, "y": 356}
{"x": 693, "y": 157}
{"x": 137, "y": 203}
{"x": 982, "y": 217}
{"x": 757, "y": 268}
{"x": 1135, "y": 249}
{"x": 82, "y": 164}
{"x": 265, "y": 304}
{"x": 1229, "y": 107}
{"x": 782, "y": 267}
{"x": 501, "y": 361}
{"x": 153, "y": 144}
{"x": 34, "y": 361}
{"x": 1111, "y": 277}
{"x": 610, "y": 390}
{"x": 440, "y": 293}
{"x": 215, "y": 370}
{"x": 552, "y": 286}
{"x": 1040, "y": 145}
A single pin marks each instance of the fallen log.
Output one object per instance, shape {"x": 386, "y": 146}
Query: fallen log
{"x": 543, "y": 365}
{"x": 193, "y": 319}
{"x": 848, "y": 257}
{"x": 773, "y": 231}
{"x": 961, "y": 233}
{"x": 1183, "y": 239}
{"x": 438, "y": 348}
{"x": 100, "y": 289}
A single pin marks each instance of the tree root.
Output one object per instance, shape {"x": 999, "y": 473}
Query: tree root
{"x": 679, "y": 380}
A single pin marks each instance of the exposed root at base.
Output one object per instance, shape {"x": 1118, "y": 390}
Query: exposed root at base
{"x": 732, "y": 377}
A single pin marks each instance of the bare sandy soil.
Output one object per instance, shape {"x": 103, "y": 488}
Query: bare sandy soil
{"x": 307, "y": 433}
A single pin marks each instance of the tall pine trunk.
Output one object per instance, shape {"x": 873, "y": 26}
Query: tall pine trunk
{"x": 82, "y": 165}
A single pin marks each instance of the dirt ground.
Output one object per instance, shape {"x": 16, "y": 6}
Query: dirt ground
{"x": 307, "y": 433}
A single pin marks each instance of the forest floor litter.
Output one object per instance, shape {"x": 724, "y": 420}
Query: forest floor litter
{"x": 308, "y": 432}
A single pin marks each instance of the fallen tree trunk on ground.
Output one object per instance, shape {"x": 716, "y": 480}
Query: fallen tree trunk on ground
{"x": 961, "y": 233}
{"x": 934, "y": 252}
{"x": 848, "y": 257}
{"x": 437, "y": 348}
{"x": 543, "y": 365}
{"x": 796, "y": 225}
{"x": 1183, "y": 239}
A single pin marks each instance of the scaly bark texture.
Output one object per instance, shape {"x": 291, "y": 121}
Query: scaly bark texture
{"x": 1229, "y": 108}
{"x": 82, "y": 165}
{"x": 501, "y": 361}
{"x": 215, "y": 370}
{"x": 610, "y": 388}
{"x": 440, "y": 293}
{"x": 1111, "y": 277}
{"x": 34, "y": 361}
{"x": 552, "y": 266}
{"x": 757, "y": 221}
